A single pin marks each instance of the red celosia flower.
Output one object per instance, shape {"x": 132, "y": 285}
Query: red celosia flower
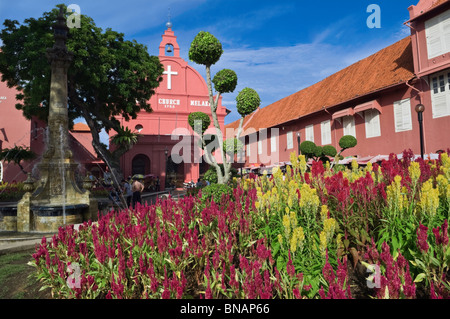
{"x": 290, "y": 266}
{"x": 422, "y": 235}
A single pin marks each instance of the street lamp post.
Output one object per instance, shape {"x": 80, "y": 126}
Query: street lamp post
{"x": 420, "y": 108}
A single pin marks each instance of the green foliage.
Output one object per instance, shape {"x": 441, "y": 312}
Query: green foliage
{"x": 205, "y": 49}
{"x": 125, "y": 137}
{"x": 233, "y": 146}
{"x": 225, "y": 81}
{"x": 308, "y": 148}
{"x": 347, "y": 141}
{"x": 215, "y": 192}
{"x": 247, "y": 101}
{"x": 201, "y": 120}
{"x": 211, "y": 174}
{"x": 329, "y": 150}
{"x": 16, "y": 155}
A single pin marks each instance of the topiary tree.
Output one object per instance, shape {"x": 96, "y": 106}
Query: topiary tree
{"x": 311, "y": 150}
{"x": 346, "y": 142}
{"x": 329, "y": 150}
{"x": 199, "y": 122}
{"x": 206, "y": 50}
{"x": 308, "y": 149}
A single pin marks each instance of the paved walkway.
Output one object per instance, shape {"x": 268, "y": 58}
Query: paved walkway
{"x": 11, "y": 242}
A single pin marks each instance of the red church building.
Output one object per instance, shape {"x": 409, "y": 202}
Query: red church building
{"x": 165, "y": 132}
{"x": 374, "y": 100}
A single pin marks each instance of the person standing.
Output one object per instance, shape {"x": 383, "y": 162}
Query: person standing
{"x": 127, "y": 192}
{"x": 137, "y": 188}
{"x": 157, "y": 184}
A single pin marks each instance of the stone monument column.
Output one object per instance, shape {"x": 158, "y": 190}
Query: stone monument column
{"x": 58, "y": 200}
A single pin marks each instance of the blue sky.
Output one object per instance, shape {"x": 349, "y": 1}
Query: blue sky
{"x": 275, "y": 47}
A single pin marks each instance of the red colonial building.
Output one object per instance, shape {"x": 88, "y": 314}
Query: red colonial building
{"x": 165, "y": 132}
{"x": 374, "y": 100}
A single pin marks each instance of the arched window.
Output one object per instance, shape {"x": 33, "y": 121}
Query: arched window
{"x": 140, "y": 165}
{"x": 138, "y": 128}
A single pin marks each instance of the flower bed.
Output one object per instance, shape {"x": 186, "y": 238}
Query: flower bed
{"x": 298, "y": 235}
{"x": 11, "y": 192}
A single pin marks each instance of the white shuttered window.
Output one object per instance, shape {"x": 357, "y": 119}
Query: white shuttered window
{"x": 349, "y": 125}
{"x": 402, "y": 115}
{"x": 437, "y": 31}
{"x": 440, "y": 94}
{"x": 309, "y": 132}
{"x": 273, "y": 144}
{"x": 325, "y": 128}
{"x": 290, "y": 140}
{"x": 372, "y": 118}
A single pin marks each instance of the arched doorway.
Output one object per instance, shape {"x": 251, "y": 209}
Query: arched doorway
{"x": 174, "y": 173}
{"x": 140, "y": 165}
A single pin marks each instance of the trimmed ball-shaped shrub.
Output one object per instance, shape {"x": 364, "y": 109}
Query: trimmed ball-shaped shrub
{"x": 225, "y": 81}
{"x": 318, "y": 152}
{"x": 329, "y": 150}
{"x": 347, "y": 141}
{"x": 247, "y": 101}
{"x": 308, "y": 148}
{"x": 205, "y": 49}
{"x": 199, "y": 122}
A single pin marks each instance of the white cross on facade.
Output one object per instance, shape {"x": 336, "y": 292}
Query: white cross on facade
{"x": 169, "y": 76}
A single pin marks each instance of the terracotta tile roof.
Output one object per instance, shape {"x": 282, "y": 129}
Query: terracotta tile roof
{"x": 81, "y": 127}
{"x": 388, "y": 67}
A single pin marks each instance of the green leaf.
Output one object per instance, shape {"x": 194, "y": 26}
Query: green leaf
{"x": 281, "y": 264}
{"x": 420, "y": 277}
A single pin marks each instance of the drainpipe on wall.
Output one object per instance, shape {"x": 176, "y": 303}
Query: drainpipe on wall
{"x": 1, "y": 172}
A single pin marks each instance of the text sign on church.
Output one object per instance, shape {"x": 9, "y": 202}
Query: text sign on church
{"x": 169, "y": 103}
{"x": 2, "y": 98}
{"x": 199, "y": 103}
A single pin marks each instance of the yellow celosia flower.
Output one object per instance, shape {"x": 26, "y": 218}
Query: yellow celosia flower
{"x": 309, "y": 199}
{"x": 442, "y": 184}
{"x": 293, "y": 242}
{"x": 302, "y": 163}
{"x": 280, "y": 239}
{"x": 293, "y": 218}
{"x": 429, "y": 199}
{"x": 329, "y": 226}
{"x": 448, "y": 195}
{"x": 394, "y": 194}
{"x": 300, "y": 237}
{"x": 287, "y": 226}
{"x": 355, "y": 165}
{"x": 324, "y": 212}
{"x": 414, "y": 172}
